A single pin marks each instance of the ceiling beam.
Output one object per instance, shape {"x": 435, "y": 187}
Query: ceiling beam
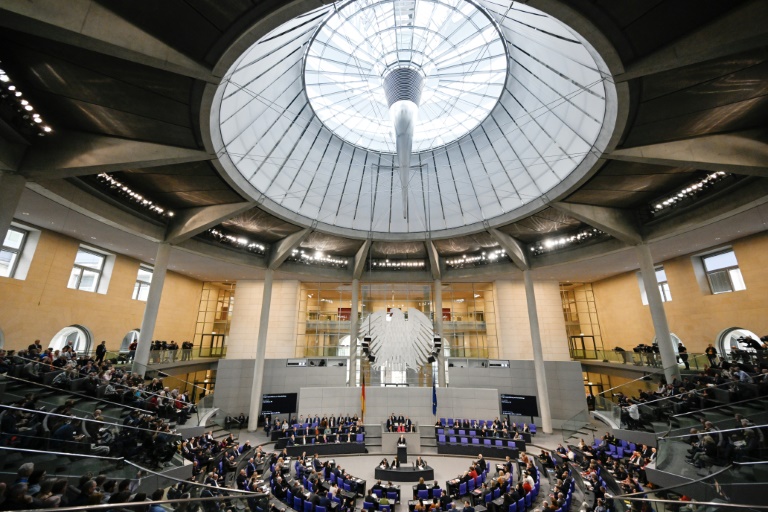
{"x": 282, "y": 249}
{"x": 360, "y": 258}
{"x": 742, "y": 29}
{"x": 77, "y": 199}
{"x": 513, "y": 247}
{"x": 619, "y": 224}
{"x": 70, "y": 154}
{"x": 88, "y": 24}
{"x": 434, "y": 260}
{"x": 193, "y": 221}
{"x": 743, "y": 152}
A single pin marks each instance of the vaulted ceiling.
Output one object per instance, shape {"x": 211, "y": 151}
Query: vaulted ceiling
{"x": 127, "y": 88}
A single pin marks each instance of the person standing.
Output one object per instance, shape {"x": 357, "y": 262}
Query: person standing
{"x": 711, "y": 353}
{"x": 101, "y": 351}
{"x": 683, "y": 353}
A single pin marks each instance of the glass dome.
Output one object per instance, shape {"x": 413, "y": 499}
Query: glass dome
{"x": 514, "y": 108}
{"x": 452, "y": 44}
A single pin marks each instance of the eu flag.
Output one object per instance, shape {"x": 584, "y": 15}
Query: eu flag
{"x": 434, "y": 398}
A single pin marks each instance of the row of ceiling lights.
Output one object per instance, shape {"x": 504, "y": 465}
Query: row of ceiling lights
{"x": 23, "y": 113}
{"x": 690, "y": 191}
{"x": 121, "y": 189}
{"x": 477, "y": 259}
{"x": 237, "y": 241}
{"x": 552, "y": 244}
{"x": 317, "y": 258}
{"x": 398, "y": 264}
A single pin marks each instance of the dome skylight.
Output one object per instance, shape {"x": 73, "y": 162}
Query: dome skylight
{"x": 452, "y": 45}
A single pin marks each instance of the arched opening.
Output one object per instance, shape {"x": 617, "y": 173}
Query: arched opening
{"x": 675, "y": 341}
{"x": 731, "y": 339}
{"x": 128, "y": 339}
{"x": 76, "y": 336}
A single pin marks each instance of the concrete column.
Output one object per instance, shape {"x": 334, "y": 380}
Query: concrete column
{"x": 438, "y": 310}
{"x": 354, "y": 328}
{"x": 141, "y": 359}
{"x": 11, "y": 187}
{"x": 538, "y": 355}
{"x": 658, "y": 316}
{"x": 261, "y": 351}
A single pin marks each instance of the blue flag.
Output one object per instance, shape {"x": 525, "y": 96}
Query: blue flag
{"x": 434, "y": 398}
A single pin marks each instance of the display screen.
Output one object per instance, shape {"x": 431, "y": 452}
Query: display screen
{"x": 519, "y": 405}
{"x": 283, "y": 403}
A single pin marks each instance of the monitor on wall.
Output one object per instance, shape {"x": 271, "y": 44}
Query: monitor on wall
{"x": 519, "y": 405}
{"x": 279, "y": 403}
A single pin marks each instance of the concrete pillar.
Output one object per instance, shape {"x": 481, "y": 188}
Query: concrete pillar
{"x": 147, "y": 332}
{"x": 354, "y": 328}
{"x": 438, "y": 310}
{"x": 658, "y": 316}
{"x": 538, "y": 355}
{"x": 11, "y": 187}
{"x": 261, "y": 351}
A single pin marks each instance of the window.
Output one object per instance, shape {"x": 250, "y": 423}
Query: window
{"x": 661, "y": 278}
{"x": 143, "y": 280}
{"x": 11, "y": 251}
{"x": 87, "y": 270}
{"x": 723, "y": 272}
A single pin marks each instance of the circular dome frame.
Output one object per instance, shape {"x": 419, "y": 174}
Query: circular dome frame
{"x": 614, "y": 120}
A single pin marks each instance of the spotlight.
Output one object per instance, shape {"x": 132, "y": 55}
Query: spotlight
{"x": 372, "y": 358}
{"x": 437, "y": 342}
{"x": 431, "y": 359}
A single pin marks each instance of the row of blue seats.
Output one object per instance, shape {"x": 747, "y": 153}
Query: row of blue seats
{"x": 476, "y": 440}
{"x": 478, "y": 424}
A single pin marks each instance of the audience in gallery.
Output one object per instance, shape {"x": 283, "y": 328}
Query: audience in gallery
{"x": 399, "y": 423}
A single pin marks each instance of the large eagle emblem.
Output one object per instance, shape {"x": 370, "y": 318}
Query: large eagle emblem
{"x": 399, "y": 342}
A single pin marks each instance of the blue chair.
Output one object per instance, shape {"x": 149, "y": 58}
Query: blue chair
{"x": 464, "y": 440}
{"x": 441, "y": 439}
{"x": 308, "y": 506}
{"x": 289, "y": 497}
{"x": 463, "y": 489}
{"x": 423, "y": 494}
{"x": 475, "y": 440}
{"x": 513, "y": 507}
{"x": 462, "y": 432}
{"x": 499, "y": 442}
{"x": 488, "y": 497}
{"x": 359, "y": 438}
{"x": 632, "y": 447}
{"x": 471, "y": 485}
{"x": 336, "y": 500}
{"x": 333, "y": 478}
{"x": 347, "y": 487}
{"x": 496, "y": 493}
{"x": 437, "y": 493}
{"x": 487, "y": 442}
{"x": 473, "y": 433}
{"x": 532, "y": 428}
{"x": 448, "y": 507}
{"x": 384, "y": 508}
{"x": 521, "y": 505}
{"x": 367, "y": 505}
{"x": 478, "y": 481}
{"x": 378, "y": 492}
{"x": 296, "y": 503}
{"x": 619, "y": 453}
{"x": 528, "y": 500}
{"x": 452, "y": 439}
{"x": 441, "y": 431}
{"x": 442, "y": 422}
{"x": 319, "y": 509}
{"x": 392, "y": 497}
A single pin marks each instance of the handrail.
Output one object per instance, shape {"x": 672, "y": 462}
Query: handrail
{"x": 719, "y": 504}
{"x": 122, "y": 386}
{"x": 657, "y": 371}
{"x": 142, "y": 468}
{"x": 706, "y": 432}
{"x": 729, "y": 404}
{"x": 128, "y": 505}
{"x": 70, "y": 416}
{"x": 695, "y": 390}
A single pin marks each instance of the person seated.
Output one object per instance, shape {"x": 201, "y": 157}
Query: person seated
{"x": 395, "y": 464}
{"x": 421, "y": 486}
{"x": 384, "y": 464}
{"x": 371, "y": 498}
{"x": 420, "y": 463}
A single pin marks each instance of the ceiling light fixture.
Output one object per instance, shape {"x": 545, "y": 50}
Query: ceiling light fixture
{"x": 554, "y": 244}
{"x": 19, "y": 112}
{"x": 690, "y": 191}
{"x": 120, "y": 189}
